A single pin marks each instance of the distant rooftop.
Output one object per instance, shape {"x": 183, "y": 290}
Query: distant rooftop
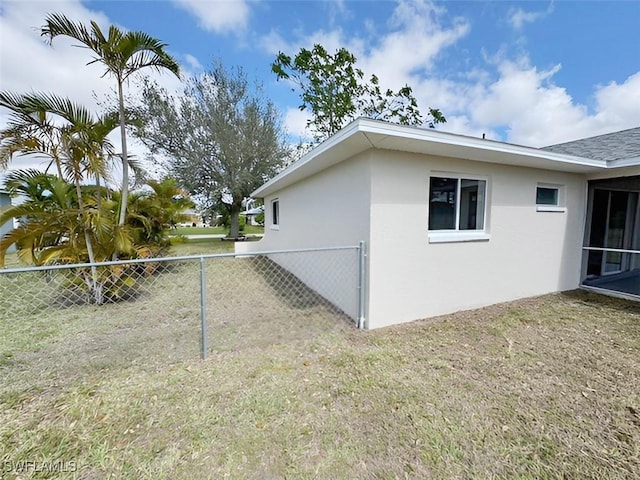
{"x": 609, "y": 147}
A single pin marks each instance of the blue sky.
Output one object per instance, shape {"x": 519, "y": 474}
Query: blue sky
{"x": 533, "y": 73}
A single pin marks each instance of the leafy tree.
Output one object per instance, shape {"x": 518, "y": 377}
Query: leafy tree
{"x": 122, "y": 53}
{"x": 221, "y": 139}
{"x": 335, "y": 91}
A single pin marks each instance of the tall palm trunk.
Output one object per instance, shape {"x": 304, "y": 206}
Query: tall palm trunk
{"x": 59, "y": 168}
{"x": 99, "y": 192}
{"x": 125, "y": 164}
{"x": 57, "y": 161}
{"x": 95, "y": 287}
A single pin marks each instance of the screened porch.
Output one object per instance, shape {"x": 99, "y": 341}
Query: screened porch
{"x": 611, "y": 255}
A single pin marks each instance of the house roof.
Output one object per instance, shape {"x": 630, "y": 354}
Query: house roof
{"x": 364, "y": 134}
{"x": 616, "y": 147}
{"x": 254, "y": 211}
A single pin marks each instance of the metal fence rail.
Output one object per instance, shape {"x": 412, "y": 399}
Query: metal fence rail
{"x": 161, "y": 306}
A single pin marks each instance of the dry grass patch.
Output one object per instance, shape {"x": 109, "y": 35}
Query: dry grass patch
{"x": 542, "y": 388}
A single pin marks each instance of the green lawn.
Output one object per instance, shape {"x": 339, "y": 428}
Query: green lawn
{"x": 196, "y": 246}
{"x": 248, "y": 230}
{"x": 543, "y": 388}
{"x": 192, "y": 246}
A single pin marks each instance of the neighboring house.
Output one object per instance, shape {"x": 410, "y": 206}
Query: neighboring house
{"x": 191, "y": 218}
{"x": 453, "y": 222}
{"x": 5, "y": 201}
{"x": 252, "y": 213}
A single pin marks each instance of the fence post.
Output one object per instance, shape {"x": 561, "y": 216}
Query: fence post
{"x": 203, "y": 309}
{"x": 362, "y": 262}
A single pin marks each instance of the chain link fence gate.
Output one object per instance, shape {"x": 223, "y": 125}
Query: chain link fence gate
{"x": 120, "y": 313}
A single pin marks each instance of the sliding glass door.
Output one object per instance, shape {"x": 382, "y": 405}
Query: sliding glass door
{"x": 612, "y": 227}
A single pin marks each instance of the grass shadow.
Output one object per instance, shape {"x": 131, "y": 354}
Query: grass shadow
{"x": 599, "y": 300}
{"x": 288, "y": 288}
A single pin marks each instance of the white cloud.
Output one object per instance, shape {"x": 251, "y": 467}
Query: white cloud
{"x": 537, "y": 112}
{"x": 617, "y": 104}
{"x": 417, "y": 38}
{"x": 338, "y": 11}
{"x": 517, "y": 17}
{"x": 331, "y": 40}
{"x": 463, "y": 125}
{"x": 507, "y": 98}
{"x": 60, "y": 68}
{"x": 295, "y": 123}
{"x": 219, "y": 16}
{"x": 193, "y": 62}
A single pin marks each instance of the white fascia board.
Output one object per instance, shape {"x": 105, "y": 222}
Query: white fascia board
{"x": 458, "y": 146}
{"x": 363, "y": 134}
{"x": 615, "y": 172}
{"x": 625, "y": 162}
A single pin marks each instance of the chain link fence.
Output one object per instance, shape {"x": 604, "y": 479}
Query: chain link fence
{"x": 90, "y": 317}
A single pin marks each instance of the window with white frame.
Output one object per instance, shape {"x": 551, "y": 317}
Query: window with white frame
{"x": 457, "y": 203}
{"x": 549, "y": 198}
{"x": 275, "y": 213}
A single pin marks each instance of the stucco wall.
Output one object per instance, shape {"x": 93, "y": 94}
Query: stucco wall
{"x": 330, "y": 209}
{"x": 529, "y": 252}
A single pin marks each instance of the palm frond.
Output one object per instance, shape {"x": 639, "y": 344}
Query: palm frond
{"x": 58, "y": 24}
{"x": 141, "y": 50}
{"x": 121, "y": 53}
{"x": 65, "y": 108}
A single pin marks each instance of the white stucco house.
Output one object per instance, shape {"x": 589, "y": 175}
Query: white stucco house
{"x": 453, "y": 222}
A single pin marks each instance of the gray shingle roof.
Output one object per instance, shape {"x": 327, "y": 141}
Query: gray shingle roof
{"x": 611, "y": 146}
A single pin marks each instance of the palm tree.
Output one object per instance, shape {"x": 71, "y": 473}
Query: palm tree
{"x": 153, "y": 212}
{"x": 79, "y": 143}
{"x": 53, "y": 229}
{"x": 122, "y": 54}
{"x": 49, "y": 229}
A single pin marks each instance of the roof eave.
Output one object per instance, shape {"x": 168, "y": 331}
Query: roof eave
{"x": 364, "y": 134}
{"x": 323, "y": 148}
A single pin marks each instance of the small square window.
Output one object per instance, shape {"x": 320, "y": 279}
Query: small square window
{"x": 549, "y": 196}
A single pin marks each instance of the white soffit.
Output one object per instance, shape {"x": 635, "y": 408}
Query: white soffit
{"x": 432, "y": 142}
{"x": 364, "y": 134}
